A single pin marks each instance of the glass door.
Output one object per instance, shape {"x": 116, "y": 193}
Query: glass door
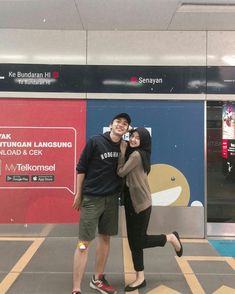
{"x": 220, "y": 168}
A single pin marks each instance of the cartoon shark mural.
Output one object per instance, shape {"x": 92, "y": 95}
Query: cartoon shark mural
{"x": 168, "y": 186}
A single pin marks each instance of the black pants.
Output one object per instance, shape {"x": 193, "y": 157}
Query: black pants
{"x": 137, "y": 225}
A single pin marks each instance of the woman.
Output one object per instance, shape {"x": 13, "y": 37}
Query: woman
{"x": 134, "y": 164}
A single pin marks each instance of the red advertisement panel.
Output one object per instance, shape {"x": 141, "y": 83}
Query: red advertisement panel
{"x": 40, "y": 142}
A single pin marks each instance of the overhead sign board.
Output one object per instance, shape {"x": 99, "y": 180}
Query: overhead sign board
{"x": 220, "y": 80}
{"x": 30, "y": 77}
{"x": 117, "y": 79}
{"x": 102, "y": 78}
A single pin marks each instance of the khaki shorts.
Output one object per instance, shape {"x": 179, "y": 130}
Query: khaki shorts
{"x": 101, "y": 212}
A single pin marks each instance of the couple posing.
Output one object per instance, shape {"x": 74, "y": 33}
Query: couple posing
{"x": 105, "y": 160}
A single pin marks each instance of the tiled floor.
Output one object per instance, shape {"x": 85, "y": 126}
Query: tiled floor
{"x": 39, "y": 265}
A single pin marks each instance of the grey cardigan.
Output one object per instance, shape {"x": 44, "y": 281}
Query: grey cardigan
{"x": 137, "y": 180}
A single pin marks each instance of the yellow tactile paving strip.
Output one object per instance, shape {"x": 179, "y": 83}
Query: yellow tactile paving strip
{"x": 128, "y": 266}
{"x": 186, "y": 269}
{"x": 21, "y": 263}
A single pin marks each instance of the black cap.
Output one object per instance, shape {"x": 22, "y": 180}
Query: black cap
{"x": 123, "y": 115}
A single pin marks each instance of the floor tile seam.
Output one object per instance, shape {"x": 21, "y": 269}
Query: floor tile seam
{"x": 112, "y": 273}
{"x": 183, "y": 240}
{"x": 35, "y": 272}
{"x": 194, "y": 241}
{"x": 212, "y": 274}
{"x": 32, "y": 238}
{"x": 107, "y": 273}
{"x": 219, "y": 238}
{"x": 20, "y": 239}
{"x": 63, "y": 272}
{"x": 193, "y": 273}
{"x": 157, "y": 273}
{"x": 53, "y": 273}
{"x": 207, "y": 257}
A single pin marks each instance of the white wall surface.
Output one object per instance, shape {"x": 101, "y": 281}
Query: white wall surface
{"x": 103, "y": 47}
{"x": 221, "y": 52}
{"x": 42, "y": 47}
{"x": 118, "y": 47}
{"x": 221, "y": 48}
{"x": 146, "y": 48}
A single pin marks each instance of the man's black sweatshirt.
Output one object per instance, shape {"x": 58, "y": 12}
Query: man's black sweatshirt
{"x": 98, "y": 162}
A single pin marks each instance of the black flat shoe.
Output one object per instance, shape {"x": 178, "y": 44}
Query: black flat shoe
{"x": 180, "y": 252}
{"x": 129, "y": 288}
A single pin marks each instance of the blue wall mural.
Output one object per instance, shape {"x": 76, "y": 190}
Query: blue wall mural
{"x": 177, "y": 129}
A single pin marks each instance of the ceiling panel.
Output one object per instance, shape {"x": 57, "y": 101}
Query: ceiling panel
{"x": 214, "y": 21}
{"x": 127, "y": 15}
{"x": 40, "y": 14}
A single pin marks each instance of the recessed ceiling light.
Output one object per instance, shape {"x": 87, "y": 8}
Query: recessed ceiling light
{"x": 206, "y": 7}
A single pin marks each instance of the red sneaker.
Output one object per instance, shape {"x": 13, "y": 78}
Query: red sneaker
{"x": 102, "y": 285}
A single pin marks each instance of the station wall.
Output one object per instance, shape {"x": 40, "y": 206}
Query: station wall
{"x": 177, "y": 120}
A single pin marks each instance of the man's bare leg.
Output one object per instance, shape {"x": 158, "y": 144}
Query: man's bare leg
{"x": 102, "y": 253}
{"x": 79, "y": 265}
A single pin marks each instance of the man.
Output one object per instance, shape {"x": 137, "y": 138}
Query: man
{"x": 98, "y": 188}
